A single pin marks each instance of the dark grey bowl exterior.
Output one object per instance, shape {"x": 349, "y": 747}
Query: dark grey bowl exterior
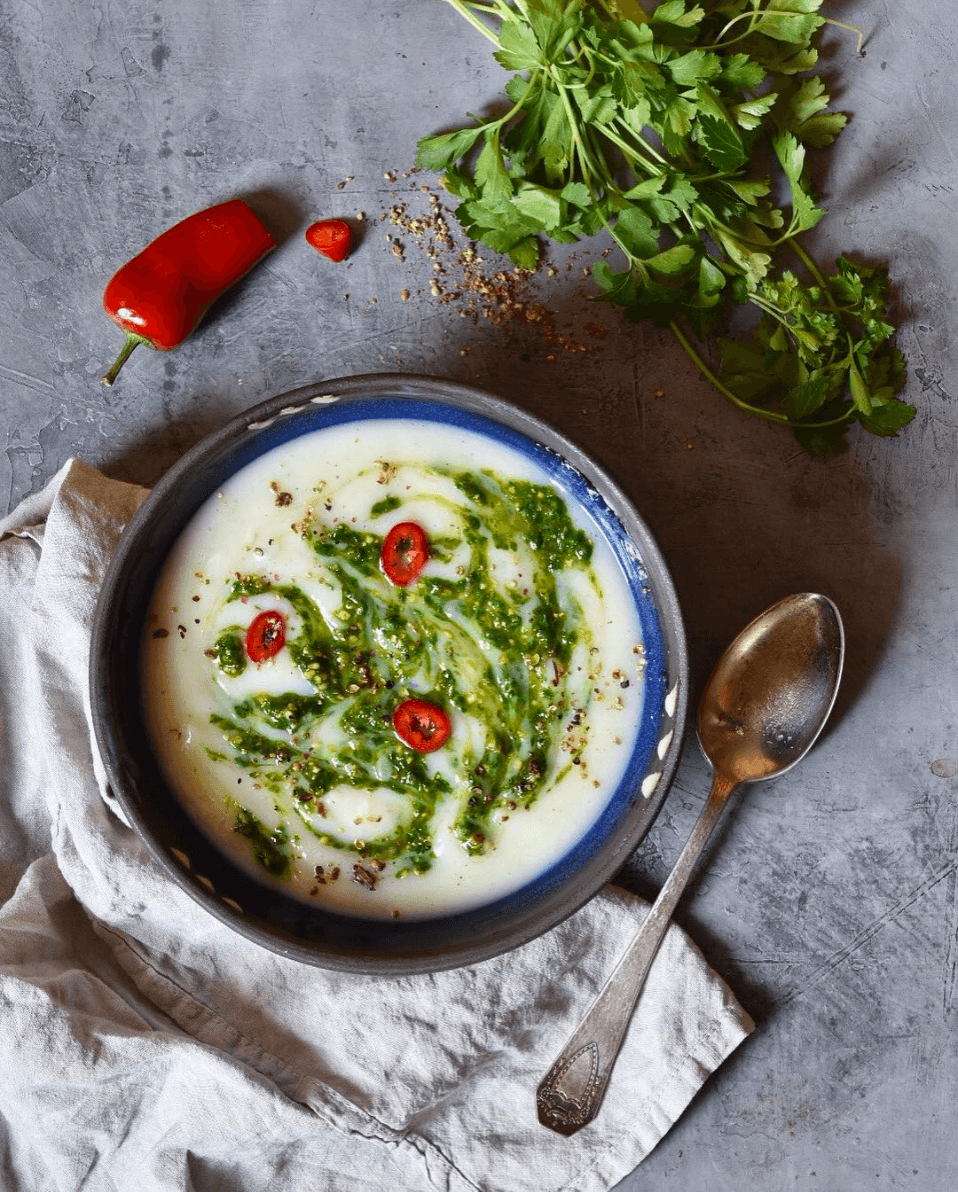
{"x": 303, "y": 932}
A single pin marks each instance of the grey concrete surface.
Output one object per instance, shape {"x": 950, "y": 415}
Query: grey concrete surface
{"x": 828, "y": 899}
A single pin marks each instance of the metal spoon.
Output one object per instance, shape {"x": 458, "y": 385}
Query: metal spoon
{"x": 764, "y": 706}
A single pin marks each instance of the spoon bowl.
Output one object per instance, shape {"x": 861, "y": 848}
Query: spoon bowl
{"x": 761, "y": 712}
{"x": 773, "y": 689}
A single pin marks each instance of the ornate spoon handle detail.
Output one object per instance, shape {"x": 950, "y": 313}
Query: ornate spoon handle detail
{"x": 572, "y": 1090}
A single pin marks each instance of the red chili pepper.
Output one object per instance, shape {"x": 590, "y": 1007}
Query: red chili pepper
{"x": 421, "y": 724}
{"x": 266, "y": 636}
{"x": 160, "y": 296}
{"x": 331, "y": 237}
{"x": 405, "y": 552}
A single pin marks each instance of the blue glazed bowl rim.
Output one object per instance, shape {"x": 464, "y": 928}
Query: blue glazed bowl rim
{"x": 310, "y": 933}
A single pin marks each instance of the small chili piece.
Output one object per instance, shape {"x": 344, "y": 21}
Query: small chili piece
{"x": 160, "y": 296}
{"x": 266, "y": 635}
{"x": 405, "y": 552}
{"x": 422, "y": 725}
{"x": 331, "y": 237}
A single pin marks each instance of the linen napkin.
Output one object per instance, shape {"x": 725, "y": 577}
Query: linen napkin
{"x": 146, "y": 1045}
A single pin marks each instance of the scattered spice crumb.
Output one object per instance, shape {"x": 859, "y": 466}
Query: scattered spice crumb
{"x": 363, "y": 877}
{"x": 482, "y": 291}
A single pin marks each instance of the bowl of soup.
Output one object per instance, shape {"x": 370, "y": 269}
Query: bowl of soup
{"x": 389, "y": 675}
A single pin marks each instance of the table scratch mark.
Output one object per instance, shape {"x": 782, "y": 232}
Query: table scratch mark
{"x": 931, "y": 121}
{"x": 31, "y": 382}
{"x": 639, "y": 403}
{"x": 950, "y": 965}
{"x": 842, "y": 954}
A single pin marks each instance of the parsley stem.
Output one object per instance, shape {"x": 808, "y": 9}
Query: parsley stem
{"x": 851, "y": 29}
{"x": 770, "y": 309}
{"x": 629, "y": 10}
{"x": 816, "y": 273}
{"x": 588, "y": 168}
{"x": 641, "y": 142}
{"x": 787, "y": 237}
{"x": 769, "y": 415}
{"x": 706, "y": 372}
{"x": 755, "y": 19}
{"x": 464, "y": 11}
{"x": 584, "y": 85}
{"x": 516, "y": 108}
{"x": 520, "y": 4}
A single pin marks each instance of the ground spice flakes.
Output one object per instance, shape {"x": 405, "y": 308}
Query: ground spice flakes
{"x": 474, "y": 285}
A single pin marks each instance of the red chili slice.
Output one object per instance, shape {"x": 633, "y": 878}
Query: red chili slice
{"x": 405, "y": 552}
{"x": 266, "y": 636}
{"x": 421, "y": 724}
{"x": 331, "y": 237}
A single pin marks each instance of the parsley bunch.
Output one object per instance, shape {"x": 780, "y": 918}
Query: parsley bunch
{"x": 663, "y": 128}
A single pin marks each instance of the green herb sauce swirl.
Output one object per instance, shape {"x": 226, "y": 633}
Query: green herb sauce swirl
{"x": 499, "y": 653}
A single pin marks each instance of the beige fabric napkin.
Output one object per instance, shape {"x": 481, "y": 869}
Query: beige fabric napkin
{"x": 146, "y": 1045}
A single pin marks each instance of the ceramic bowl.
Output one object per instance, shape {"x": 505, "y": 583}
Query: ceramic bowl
{"x": 308, "y": 932}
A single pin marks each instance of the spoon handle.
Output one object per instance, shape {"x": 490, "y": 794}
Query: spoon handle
{"x": 572, "y": 1090}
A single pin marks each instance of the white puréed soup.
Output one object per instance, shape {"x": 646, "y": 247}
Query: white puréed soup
{"x": 388, "y": 668}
